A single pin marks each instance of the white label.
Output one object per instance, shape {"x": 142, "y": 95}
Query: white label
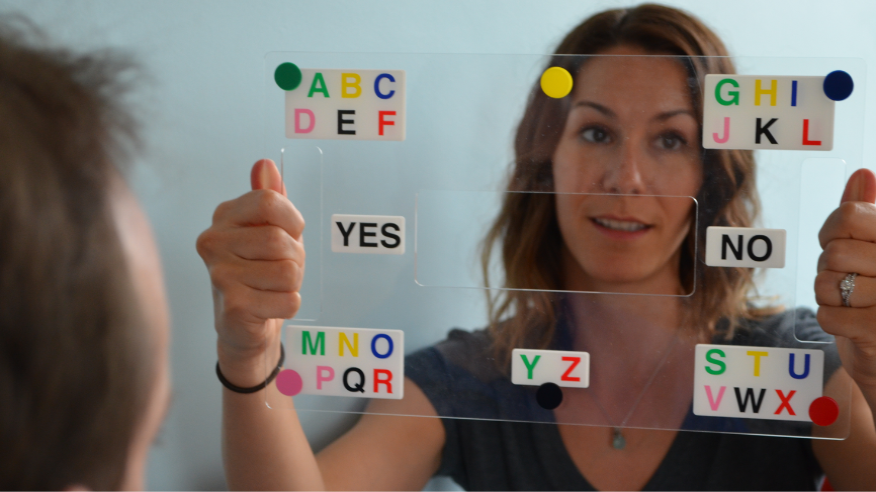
{"x": 766, "y": 112}
{"x": 745, "y": 247}
{"x": 357, "y": 362}
{"x": 756, "y": 382}
{"x": 347, "y": 105}
{"x": 564, "y": 368}
{"x": 378, "y": 234}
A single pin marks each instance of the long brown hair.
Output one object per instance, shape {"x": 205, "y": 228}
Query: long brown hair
{"x": 524, "y": 312}
{"x": 76, "y": 364}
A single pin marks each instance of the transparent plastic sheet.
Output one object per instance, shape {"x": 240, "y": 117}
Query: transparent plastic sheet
{"x": 437, "y": 190}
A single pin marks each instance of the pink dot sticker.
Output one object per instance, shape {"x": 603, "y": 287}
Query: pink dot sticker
{"x": 289, "y": 382}
{"x": 823, "y": 411}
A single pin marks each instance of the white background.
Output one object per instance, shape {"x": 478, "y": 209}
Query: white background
{"x": 201, "y": 107}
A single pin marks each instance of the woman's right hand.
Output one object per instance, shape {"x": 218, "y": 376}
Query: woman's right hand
{"x": 255, "y": 255}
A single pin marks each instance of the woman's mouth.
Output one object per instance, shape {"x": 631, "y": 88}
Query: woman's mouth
{"x": 620, "y": 225}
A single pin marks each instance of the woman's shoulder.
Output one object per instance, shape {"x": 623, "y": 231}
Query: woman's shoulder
{"x": 463, "y": 351}
{"x": 796, "y": 328}
{"x": 461, "y": 377}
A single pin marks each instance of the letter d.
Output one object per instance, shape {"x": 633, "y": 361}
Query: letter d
{"x": 310, "y": 117}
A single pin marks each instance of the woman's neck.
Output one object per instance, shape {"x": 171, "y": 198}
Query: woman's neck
{"x": 628, "y": 332}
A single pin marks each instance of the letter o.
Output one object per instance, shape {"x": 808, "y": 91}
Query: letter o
{"x": 769, "y": 248}
{"x": 374, "y": 346}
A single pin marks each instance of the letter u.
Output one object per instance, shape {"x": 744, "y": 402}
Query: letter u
{"x": 805, "y": 367}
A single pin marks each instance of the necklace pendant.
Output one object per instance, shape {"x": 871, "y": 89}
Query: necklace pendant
{"x": 618, "y": 442}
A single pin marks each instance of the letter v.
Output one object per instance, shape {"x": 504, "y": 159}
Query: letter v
{"x": 712, "y": 403}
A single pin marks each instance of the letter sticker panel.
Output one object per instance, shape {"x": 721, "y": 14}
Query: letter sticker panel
{"x": 757, "y": 382}
{"x": 347, "y": 105}
{"x": 561, "y": 367}
{"x": 767, "y": 112}
{"x": 357, "y": 362}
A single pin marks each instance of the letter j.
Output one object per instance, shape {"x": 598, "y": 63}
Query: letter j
{"x": 719, "y": 139}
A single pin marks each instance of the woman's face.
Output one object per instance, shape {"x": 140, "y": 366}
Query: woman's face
{"x": 631, "y": 136}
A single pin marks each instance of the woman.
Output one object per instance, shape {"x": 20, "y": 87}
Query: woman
{"x": 613, "y": 154}
{"x": 84, "y": 380}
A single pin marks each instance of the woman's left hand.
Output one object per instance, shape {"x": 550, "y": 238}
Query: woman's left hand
{"x": 848, "y": 239}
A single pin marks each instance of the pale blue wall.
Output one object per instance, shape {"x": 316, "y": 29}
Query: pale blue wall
{"x": 201, "y": 109}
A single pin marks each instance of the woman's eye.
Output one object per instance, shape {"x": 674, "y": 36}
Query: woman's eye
{"x": 670, "y": 142}
{"x": 595, "y": 135}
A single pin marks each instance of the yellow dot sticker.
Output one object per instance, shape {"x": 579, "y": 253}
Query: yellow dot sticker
{"x": 556, "y": 82}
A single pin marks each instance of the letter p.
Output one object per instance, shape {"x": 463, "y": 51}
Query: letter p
{"x": 324, "y": 374}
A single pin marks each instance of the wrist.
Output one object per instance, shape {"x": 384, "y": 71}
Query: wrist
{"x": 249, "y": 368}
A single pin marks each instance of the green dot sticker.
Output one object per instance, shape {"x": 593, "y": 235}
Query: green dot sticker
{"x": 288, "y": 76}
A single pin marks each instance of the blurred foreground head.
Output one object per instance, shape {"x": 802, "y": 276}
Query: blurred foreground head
{"x": 83, "y": 320}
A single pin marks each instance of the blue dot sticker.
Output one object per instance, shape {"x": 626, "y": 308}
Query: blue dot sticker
{"x": 838, "y": 85}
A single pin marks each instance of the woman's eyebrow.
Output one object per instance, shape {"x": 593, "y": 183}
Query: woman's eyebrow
{"x": 590, "y": 104}
{"x": 669, "y": 114}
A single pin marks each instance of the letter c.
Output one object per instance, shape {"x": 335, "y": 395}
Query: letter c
{"x": 377, "y": 86}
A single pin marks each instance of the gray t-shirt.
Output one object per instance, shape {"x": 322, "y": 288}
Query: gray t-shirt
{"x": 509, "y": 452}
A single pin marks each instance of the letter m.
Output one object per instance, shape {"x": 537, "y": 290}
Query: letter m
{"x": 309, "y": 344}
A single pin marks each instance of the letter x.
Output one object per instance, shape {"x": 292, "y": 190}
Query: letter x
{"x": 786, "y": 402}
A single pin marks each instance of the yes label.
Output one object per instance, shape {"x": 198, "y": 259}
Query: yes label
{"x": 357, "y": 362}
{"x": 380, "y": 234}
{"x": 745, "y": 247}
{"x": 564, "y": 368}
{"x": 757, "y": 382}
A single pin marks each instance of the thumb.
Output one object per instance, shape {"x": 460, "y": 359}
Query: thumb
{"x": 861, "y": 187}
{"x": 266, "y": 176}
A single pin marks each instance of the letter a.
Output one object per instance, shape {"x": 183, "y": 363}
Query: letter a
{"x": 318, "y": 85}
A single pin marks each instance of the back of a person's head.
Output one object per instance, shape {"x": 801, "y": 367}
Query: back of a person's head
{"x": 74, "y": 373}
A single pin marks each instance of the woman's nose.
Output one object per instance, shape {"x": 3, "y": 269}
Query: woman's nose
{"x": 624, "y": 175}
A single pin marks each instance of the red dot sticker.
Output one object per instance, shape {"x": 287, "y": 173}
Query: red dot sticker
{"x": 289, "y": 382}
{"x": 823, "y": 411}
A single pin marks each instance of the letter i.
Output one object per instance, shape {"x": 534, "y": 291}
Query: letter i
{"x": 793, "y": 93}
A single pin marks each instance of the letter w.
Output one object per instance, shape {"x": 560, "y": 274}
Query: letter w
{"x": 749, "y": 394}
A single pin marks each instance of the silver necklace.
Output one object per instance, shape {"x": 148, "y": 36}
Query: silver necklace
{"x": 618, "y": 441}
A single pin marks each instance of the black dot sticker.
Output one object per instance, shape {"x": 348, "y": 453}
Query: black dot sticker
{"x": 549, "y": 396}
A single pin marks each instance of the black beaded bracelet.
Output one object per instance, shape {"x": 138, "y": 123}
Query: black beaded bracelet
{"x": 258, "y": 387}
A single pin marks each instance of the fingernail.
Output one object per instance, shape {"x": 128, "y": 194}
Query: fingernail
{"x": 264, "y": 177}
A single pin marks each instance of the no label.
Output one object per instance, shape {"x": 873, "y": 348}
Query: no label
{"x": 745, "y": 247}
